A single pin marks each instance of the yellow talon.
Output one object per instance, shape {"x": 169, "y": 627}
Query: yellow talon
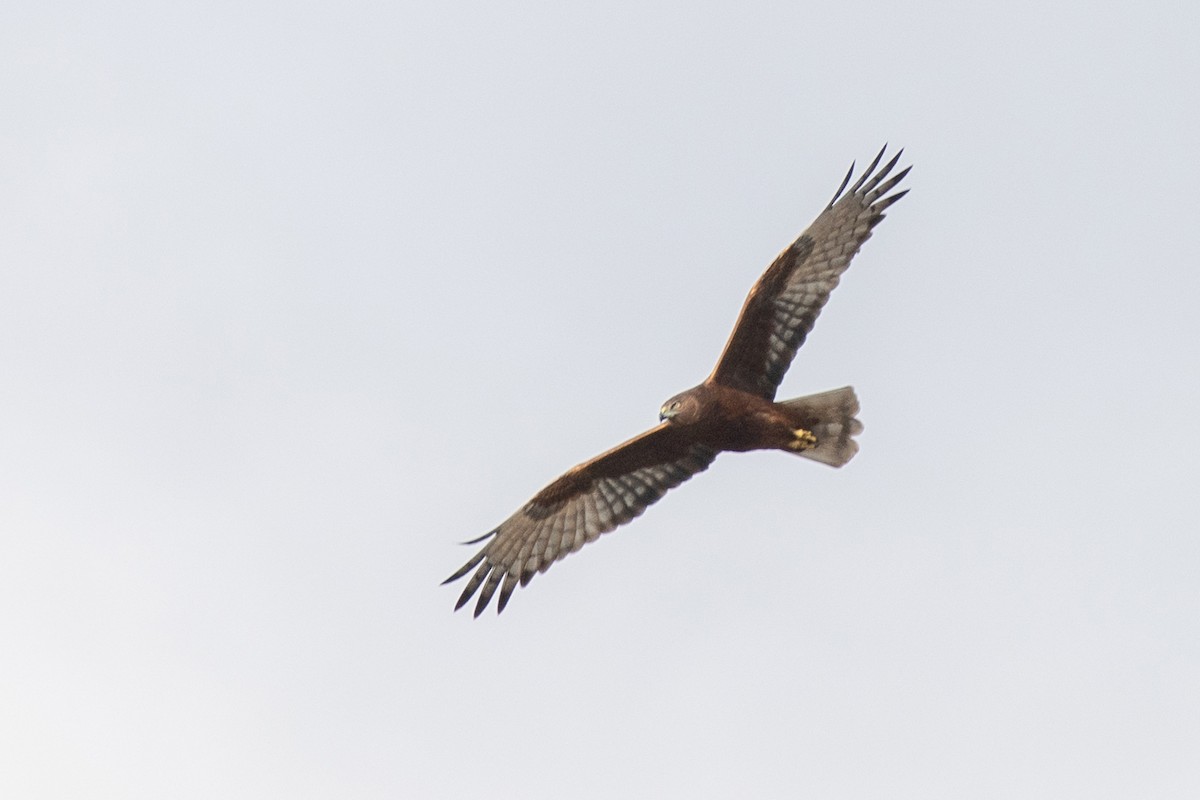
{"x": 803, "y": 440}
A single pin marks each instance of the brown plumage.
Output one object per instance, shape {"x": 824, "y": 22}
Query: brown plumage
{"x": 733, "y": 409}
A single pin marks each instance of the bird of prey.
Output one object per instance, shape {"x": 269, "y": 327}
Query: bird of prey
{"x": 733, "y": 409}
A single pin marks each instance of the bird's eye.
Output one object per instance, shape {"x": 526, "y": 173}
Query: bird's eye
{"x": 675, "y": 405}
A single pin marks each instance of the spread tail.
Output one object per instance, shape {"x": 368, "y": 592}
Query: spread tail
{"x": 829, "y": 416}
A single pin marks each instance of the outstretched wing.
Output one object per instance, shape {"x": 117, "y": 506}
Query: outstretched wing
{"x": 784, "y": 304}
{"x": 590, "y": 499}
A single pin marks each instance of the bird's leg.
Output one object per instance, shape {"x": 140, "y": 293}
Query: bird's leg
{"x": 802, "y": 440}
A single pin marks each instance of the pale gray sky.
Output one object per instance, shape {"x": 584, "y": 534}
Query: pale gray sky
{"x": 293, "y": 297}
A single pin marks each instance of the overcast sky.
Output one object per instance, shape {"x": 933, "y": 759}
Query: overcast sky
{"x": 296, "y": 296}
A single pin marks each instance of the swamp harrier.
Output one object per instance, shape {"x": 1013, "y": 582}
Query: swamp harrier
{"x": 733, "y": 409}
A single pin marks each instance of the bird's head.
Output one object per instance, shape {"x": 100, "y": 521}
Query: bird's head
{"x": 680, "y": 408}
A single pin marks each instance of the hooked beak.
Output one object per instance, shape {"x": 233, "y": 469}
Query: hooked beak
{"x": 665, "y": 414}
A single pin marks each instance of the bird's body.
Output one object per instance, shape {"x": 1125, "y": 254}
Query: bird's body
{"x": 734, "y": 409}
{"x": 737, "y": 421}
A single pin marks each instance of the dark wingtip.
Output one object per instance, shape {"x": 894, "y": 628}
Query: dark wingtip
{"x": 510, "y": 583}
{"x": 887, "y": 202}
{"x": 867, "y": 172}
{"x": 485, "y": 594}
{"x": 465, "y": 568}
{"x": 476, "y": 579}
{"x": 481, "y": 538}
{"x": 462, "y": 601}
{"x": 869, "y": 186}
{"x": 899, "y": 176}
{"x": 845, "y": 181}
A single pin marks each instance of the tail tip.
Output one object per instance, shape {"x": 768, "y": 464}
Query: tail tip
{"x": 835, "y": 425}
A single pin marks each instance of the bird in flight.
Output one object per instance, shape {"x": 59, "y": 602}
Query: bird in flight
{"x": 733, "y": 409}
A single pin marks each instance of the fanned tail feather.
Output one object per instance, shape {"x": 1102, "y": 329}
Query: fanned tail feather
{"x": 831, "y": 418}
